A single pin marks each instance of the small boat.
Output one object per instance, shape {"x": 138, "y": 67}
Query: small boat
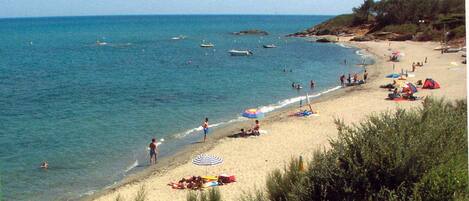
{"x": 452, "y": 50}
{"x": 207, "y": 45}
{"x": 269, "y": 46}
{"x": 441, "y": 48}
{"x": 180, "y": 37}
{"x": 99, "y": 43}
{"x": 240, "y": 52}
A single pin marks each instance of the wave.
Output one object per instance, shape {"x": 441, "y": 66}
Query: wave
{"x": 264, "y": 109}
{"x": 130, "y": 167}
{"x": 344, "y": 46}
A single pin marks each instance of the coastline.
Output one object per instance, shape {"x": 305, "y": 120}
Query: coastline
{"x": 349, "y": 104}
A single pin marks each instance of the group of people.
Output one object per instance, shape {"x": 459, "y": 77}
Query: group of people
{"x": 254, "y": 131}
{"x": 193, "y": 182}
{"x": 418, "y": 64}
{"x": 353, "y": 80}
{"x": 298, "y": 86}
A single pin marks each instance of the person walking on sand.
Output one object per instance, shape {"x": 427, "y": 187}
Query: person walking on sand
{"x": 153, "y": 151}
{"x": 425, "y": 59}
{"x": 365, "y": 76}
{"x": 205, "y": 127}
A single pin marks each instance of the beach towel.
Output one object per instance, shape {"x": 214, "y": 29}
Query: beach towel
{"x": 262, "y": 132}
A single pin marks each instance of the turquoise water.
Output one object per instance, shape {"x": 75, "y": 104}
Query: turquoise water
{"x": 91, "y": 110}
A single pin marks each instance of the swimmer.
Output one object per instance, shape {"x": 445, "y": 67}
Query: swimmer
{"x": 44, "y": 165}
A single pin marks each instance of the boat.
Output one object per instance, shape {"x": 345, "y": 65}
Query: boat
{"x": 439, "y": 48}
{"x": 240, "y": 52}
{"x": 99, "y": 43}
{"x": 452, "y": 50}
{"x": 269, "y": 46}
{"x": 180, "y": 37}
{"x": 207, "y": 45}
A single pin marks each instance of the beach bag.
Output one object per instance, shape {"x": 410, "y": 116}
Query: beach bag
{"x": 227, "y": 178}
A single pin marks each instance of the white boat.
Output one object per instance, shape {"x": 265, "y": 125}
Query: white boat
{"x": 207, "y": 45}
{"x": 452, "y": 50}
{"x": 441, "y": 48}
{"x": 180, "y": 37}
{"x": 99, "y": 43}
{"x": 240, "y": 52}
{"x": 269, "y": 46}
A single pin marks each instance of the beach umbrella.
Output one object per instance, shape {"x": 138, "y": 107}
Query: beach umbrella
{"x": 206, "y": 160}
{"x": 393, "y": 75}
{"x": 253, "y": 113}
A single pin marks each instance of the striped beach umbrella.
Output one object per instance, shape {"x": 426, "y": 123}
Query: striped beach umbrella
{"x": 206, "y": 160}
{"x": 253, "y": 113}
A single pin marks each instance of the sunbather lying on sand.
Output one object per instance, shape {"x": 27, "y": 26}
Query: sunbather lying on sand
{"x": 193, "y": 182}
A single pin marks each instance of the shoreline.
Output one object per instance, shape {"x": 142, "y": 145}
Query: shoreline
{"x": 276, "y": 120}
{"x": 184, "y": 155}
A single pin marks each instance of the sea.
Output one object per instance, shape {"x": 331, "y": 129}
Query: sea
{"x": 87, "y": 94}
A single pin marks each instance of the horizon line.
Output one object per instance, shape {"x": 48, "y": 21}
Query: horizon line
{"x": 175, "y": 14}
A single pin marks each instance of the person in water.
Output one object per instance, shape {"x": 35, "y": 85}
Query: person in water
{"x": 342, "y": 80}
{"x": 44, "y": 165}
{"x": 205, "y": 127}
{"x": 349, "y": 79}
{"x": 153, "y": 151}
{"x": 312, "y": 84}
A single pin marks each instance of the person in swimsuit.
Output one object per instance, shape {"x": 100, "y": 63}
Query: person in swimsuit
{"x": 152, "y": 147}
{"x": 205, "y": 127}
{"x": 257, "y": 127}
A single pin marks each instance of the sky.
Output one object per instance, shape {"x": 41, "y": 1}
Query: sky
{"x": 41, "y": 8}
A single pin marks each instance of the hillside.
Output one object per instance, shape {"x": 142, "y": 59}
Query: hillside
{"x": 398, "y": 20}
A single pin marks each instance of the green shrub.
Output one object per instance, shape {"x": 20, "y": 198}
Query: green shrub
{"x": 459, "y": 31}
{"x": 213, "y": 194}
{"x": 401, "y": 28}
{"x": 447, "y": 181}
{"x": 401, "y": 155}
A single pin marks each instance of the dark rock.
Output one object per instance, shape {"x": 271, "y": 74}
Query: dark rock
{"x": 403, "y": 37}
{"x": 363, "y": 38}
{"x": 251, "y": 32}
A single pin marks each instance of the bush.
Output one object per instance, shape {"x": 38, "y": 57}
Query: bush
{"x": 212, "y": 195}
{"x": 401, "y": 155}
{"x": 459, "y": 31}
{"x": 402, "y": 28}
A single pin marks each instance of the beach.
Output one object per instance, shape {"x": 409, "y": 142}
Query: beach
{"x": 252, "y": 159}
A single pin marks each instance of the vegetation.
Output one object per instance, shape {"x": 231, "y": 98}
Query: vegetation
{"x": 418, "y": 154}
{"x": 213, "y": 194}
{"x": 398, "y": 15}
{"x": 141, "y": 194}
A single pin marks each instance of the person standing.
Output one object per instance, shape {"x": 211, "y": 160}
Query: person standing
{"x": 342, "y": 80}
{"x": 153, "y": 151}
{"x": 312, "y": 84}
{"x": 349, "y": 79}
{"x": 425, "y": 59}
{"x": 365, "y": 76}
{"x": 205, "y": 127}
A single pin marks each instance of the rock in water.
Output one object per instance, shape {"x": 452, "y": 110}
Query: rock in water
{"x": 251, "y": 32}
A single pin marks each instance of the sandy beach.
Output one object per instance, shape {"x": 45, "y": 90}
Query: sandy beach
{"x": 251, "y": 159}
